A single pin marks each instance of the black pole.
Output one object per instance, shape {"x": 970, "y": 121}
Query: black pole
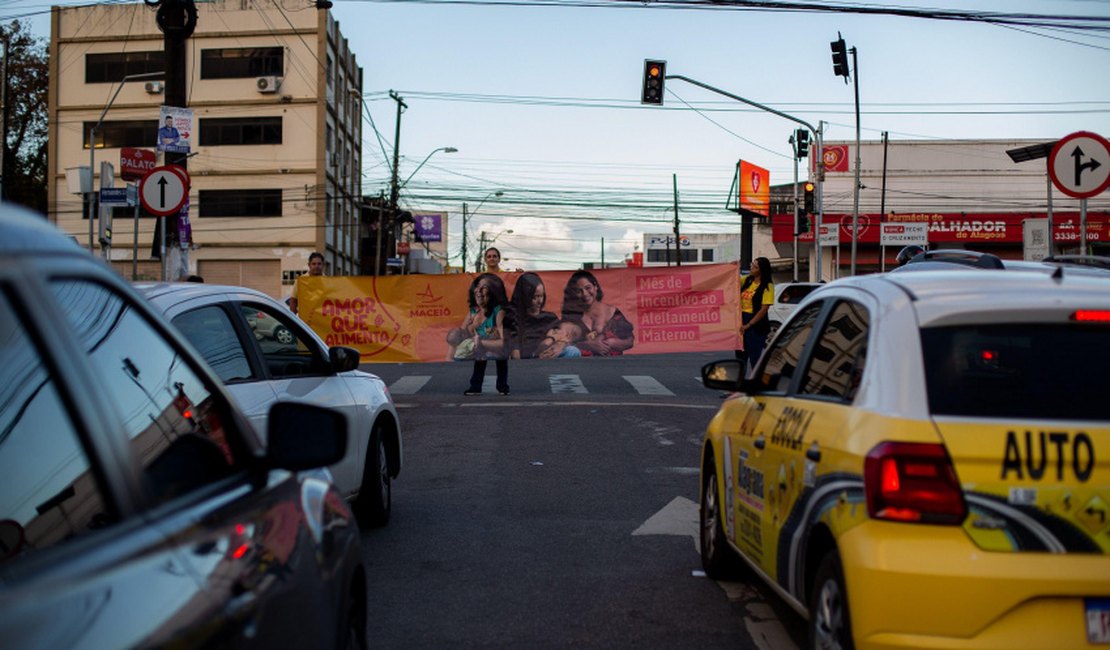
{"x": 177, "y": 19}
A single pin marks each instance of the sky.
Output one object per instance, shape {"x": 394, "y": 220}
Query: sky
{"x": 542, "y": 103}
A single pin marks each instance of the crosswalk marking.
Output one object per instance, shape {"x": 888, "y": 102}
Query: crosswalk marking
{"x": 409, "y": 385}
{"x": 566, "y": 384}
{"x": 647, "y": 385}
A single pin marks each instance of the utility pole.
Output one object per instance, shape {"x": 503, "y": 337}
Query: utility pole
{"x": 794, "y": 148}
{"x": 463, "y": 265}
{"x": 677, "y": 252}
{"x": 481, "y": 249}
{"x": 177, "y": 19}
{"x": 394, "y": 188}
{"x": 855, "y": 188}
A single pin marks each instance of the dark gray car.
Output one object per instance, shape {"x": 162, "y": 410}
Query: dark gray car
{"x": 137, "y": 506}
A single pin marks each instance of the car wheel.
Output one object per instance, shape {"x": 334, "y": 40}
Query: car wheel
{"x": 354, "y": 626}
{"x": 375, "y": 497}
{"x": 283, "y": 335}
{"x": 829, "y": 624}
{"x": 717, "y": 557}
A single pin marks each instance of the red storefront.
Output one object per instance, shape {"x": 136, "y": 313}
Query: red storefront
{"x": 999, "y": 233}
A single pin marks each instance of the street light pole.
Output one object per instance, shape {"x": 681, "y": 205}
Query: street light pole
{"x": 92, "y": 140}
{"x": 434, "y": 151}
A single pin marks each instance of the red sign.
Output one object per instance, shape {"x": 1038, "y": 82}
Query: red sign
{"x": 755, "y": 188}
{"x": 835, "y": 157}
{"x": 135, "y": 163}
{"x": 966, "y": 229}
{"x": 403, "y": 248}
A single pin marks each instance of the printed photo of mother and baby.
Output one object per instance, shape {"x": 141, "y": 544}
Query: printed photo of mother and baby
{"x": 499, "y": 327}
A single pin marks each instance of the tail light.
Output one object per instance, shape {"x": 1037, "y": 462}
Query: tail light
{"x": 912, "y": 482}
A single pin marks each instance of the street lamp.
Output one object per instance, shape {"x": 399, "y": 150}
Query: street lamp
{"x": 483, "y": 244}
{"x": 434, "y": 151}
{"x": 495, "y": 193}
{"x": 92, "y": 140}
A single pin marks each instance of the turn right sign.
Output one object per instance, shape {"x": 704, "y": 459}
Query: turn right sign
{"x": 1079, "y": 164}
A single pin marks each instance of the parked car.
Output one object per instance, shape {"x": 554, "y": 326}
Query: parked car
{"x": 787, "y": 297}
{"x": 922, "y": 460}
{"x": 138, "y": 507}
{"x": 264, "y": 353}
{"x": 961, "y": 260}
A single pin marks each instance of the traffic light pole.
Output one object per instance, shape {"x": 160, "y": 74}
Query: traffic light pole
{"x": 817, "y": 137}
{"x": 794, "y": 146}
{"x": 855, "y": 188}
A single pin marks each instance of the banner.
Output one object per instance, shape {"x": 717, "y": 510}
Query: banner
{"x": 408, "y": 318}
{"x": 966, "y": 228}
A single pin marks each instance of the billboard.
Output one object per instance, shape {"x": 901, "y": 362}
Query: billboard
{"x": 755, "y": 189}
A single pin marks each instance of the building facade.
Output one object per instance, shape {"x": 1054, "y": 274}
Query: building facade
{"x": 275, "y": 159}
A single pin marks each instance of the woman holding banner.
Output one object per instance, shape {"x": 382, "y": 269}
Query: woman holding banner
{"x": 488, "y": 324}
{"x": 606, "y": 331}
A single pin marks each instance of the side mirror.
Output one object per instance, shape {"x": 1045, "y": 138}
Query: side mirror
{"x": 726, "y": 374}
{"x": 343, "y": 358}
{"x": 305, "y": 436}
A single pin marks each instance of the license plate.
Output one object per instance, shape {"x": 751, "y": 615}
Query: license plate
{"x": 1098, "y": 620}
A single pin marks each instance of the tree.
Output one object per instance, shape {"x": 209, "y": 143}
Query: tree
{"x": 25, "y": 172}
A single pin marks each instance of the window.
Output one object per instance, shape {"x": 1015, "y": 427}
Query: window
{"x": 707, "y": 255}
{"x": 211, "y": 332}
{"x": 123, "y": 133}
{"x": 781, "y": 360}
{"x": 836, "y": 365}
{"x": 241, "y": 63}
{"x": 173, "y": 422}
{"x": 240, "y": 203}
{"x": 283, "y": 349}
{"x": 1013, "y": 371}
{"x": 48, "y": 492}
{"x": 114, "y": 66}
{"x": 667, "y": 255}
{"x": 240, "y": 130}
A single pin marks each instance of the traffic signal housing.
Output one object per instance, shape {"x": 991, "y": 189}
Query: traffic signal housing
{"x": 807, "y": 202}
{"x": 840, "y": 57}
{"x": 801, "y": 143}
{"x": 654, "y": 72}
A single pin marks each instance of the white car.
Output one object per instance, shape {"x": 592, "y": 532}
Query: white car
{"x": 787, "y": 297}
{"x": 264, "y": 354}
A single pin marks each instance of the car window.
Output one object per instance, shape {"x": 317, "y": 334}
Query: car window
{"x": 175, "y": 425}
{"x": 1020, "y": 371}
{"x": 781, "y": 360}
{"x": 836, "y": 365}
{"x": 794, "y": 293}
{"x": 48, "y": 492}
{"x": 212, "y": 333}
{"x": 284, "y": 347}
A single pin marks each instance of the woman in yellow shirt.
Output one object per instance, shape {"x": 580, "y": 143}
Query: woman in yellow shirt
{"x": 757, "y": 294}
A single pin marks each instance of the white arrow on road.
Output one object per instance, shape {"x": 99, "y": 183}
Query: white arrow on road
{"x": 680, "y": 517}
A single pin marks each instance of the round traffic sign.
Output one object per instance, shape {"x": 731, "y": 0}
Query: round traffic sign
{"x": 163, "y": 191}
{"x": 1079, "y": 164}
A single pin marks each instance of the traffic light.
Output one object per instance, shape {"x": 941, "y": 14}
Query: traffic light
{"x": 803, "y": 223}
{"x": 840, "y": 57}
{"x": 807, "y": 203}
{"x": 801, "y": 140}
{"x": 654, "y": 72}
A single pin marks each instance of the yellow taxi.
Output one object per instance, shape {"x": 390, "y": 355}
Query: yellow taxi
{"x": 922, "y": 460}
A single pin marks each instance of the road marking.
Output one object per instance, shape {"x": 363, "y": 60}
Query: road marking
{"x": 679, "y": 517}
{"x": 409, "y": 384}
{"x": 566, "y": 384}
{"x": 647, "y": 385}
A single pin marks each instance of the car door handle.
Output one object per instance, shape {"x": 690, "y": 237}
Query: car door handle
{"x": 760, "y": 442}
{"x": 813, "y": 453}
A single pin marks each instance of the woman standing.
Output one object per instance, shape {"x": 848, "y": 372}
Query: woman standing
{"x": 757, "y": 294}
{"x": 532, "y": 322}
{"x": 489, "y": 316}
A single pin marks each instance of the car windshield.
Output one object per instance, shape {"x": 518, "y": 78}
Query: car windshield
{"x": 1027, "y": 371}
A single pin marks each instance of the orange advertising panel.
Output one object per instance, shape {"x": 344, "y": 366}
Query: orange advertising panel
{"x": 755, "y": 189}
{"x": 408, "y": 318}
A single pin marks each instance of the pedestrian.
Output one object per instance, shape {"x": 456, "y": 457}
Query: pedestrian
{"x": 757, "y": 294}
{"x": 491, "y": 318}
{"x": 492, "y": 257}
{"x": 315, "y": 267}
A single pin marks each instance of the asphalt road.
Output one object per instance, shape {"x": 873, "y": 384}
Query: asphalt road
{"x": 552, "y": 518}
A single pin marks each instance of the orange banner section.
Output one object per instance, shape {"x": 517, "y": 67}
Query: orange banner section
{"x": 406, "y": 318}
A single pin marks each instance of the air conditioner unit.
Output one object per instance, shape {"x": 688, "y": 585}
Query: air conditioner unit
{"x": 154, "y": 87}
{"x": 267, "y": 84}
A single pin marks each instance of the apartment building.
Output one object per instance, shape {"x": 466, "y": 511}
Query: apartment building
{"x": 275, "y": 158}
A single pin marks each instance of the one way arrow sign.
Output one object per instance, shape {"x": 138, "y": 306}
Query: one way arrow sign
{"x": 163, "y": 191}
{"x": 1079, "y": 165}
